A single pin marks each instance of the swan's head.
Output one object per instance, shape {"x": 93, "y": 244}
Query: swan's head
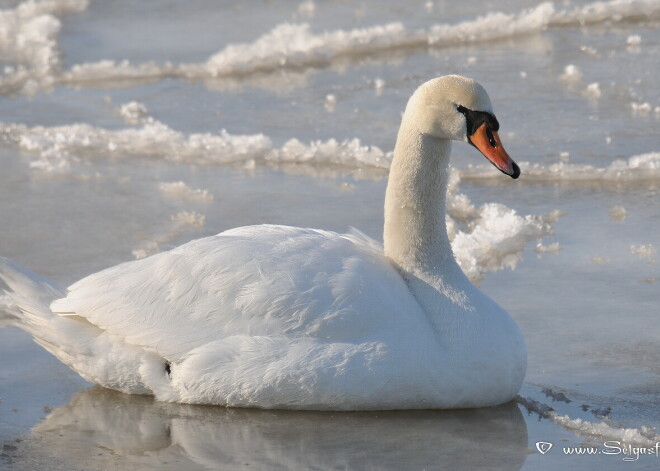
{"x": 458, "y": 108}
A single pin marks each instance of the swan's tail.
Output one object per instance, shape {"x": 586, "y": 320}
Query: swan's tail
{"x": 96, "y": 355}
{"x": 28, "y": 295}
{"x": 25, "y": 303}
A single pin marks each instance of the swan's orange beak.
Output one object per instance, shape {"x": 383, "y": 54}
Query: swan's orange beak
{"x": 489, "y": 144}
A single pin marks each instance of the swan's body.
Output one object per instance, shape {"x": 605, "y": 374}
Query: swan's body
{"x": 283, "y": 317}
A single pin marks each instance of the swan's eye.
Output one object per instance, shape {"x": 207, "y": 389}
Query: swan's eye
{"x": 475, "y": 119}
{"x": 491, "y": 138}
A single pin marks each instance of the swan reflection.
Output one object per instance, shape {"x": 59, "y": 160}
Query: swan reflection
{"x": 101, "y": 428}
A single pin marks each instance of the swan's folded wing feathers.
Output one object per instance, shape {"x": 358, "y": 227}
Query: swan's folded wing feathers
{"x": 258, "y": 280}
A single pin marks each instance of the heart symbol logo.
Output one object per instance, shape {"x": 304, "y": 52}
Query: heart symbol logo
{"x": 543, "y": 447}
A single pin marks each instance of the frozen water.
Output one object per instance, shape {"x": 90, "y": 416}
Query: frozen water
{"x": 129, "y": 128}
{"x": 179, "y": 190}
{"x": 636, "y": 168}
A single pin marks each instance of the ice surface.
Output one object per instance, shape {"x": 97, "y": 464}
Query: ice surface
{"x": 491, "y": 237}
{"x": 310, "y": 94}
{"x": 293, "y": 45}
{"x": 98, "y": 425}
{"x": 56, "y": 148}
{"x": 31, "y": 31}
{"x": 178, "y": 224}
{"x": 601, "y": 431}
{"x": 484, "y": 239}
{"x": 642, "y": 436}
{"x": 644, "y": 167}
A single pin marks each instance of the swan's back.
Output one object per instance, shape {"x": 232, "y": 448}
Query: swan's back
{"x": 256, "y": 280}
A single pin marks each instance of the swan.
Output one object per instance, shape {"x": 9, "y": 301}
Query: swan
{"x": 292, "y": 318}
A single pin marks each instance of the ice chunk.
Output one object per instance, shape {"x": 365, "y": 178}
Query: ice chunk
{"x": 180, "y": 191}
{"x": 642, "y": 436}
{"x": 641, "y": 108}
{"x": 188, "y": 219}
{"x": 571, "y": 74}
{"x": 600, "y": 431}
{"x": 330, "y": 102}
{"x": 598, "y": 12}
{"x": 307, "y": 8}
{"x": 28, "y": 40}
{"x": 379, "y": 85}
{"x": 592, "y": 91}
{"x": 644, "y": 251}
{"x": 618, "y": 213}
{"x": 600, "y": 260}
{"x": 494, "y": 25}
{"x": 146, "y": 249}
{"x": 28, "y": 37}
{"x": 134, "y": 113}
{"x": 639, "y": 167}
{"x": 496, "y": 239}
{"x": 553, "y": 248}
{"x": 348, "y": 153}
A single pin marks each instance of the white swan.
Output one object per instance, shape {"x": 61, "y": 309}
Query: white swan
{"x": 283, "y": 317}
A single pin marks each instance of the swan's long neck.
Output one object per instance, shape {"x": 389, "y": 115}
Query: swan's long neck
{"x": 415, "y": 233}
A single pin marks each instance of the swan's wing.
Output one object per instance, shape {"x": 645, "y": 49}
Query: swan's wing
{"x": 256, "y": 281}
